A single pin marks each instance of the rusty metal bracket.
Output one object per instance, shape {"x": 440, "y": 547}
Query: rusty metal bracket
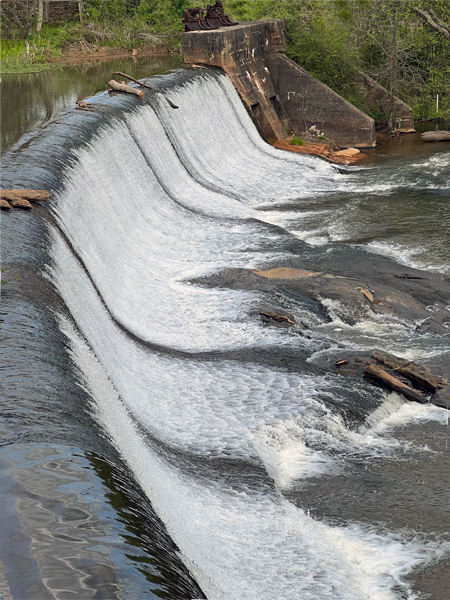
{"x": 194, "y": 20}
{"x": 216, "y": 17}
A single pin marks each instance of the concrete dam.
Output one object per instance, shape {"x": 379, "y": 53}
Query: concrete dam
{"x": 283, "y": 98}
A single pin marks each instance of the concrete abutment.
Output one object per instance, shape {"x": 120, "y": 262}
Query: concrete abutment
{"x": 283, "y": 98}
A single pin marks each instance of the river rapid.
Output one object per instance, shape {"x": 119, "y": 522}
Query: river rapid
{"x": 158, "y": 437}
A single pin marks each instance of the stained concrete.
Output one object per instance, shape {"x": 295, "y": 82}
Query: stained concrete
{"x": 376, "y": 95}
{"x": 283, "y": 98}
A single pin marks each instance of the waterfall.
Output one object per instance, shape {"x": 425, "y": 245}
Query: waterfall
{"x": 149, "y": 209}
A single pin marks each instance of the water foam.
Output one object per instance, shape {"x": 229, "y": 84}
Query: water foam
{"x": 250, "y": 545}
{"x": 143, "y": 227}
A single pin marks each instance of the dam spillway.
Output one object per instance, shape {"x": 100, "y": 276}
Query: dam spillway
{"x": 154, "y": 227}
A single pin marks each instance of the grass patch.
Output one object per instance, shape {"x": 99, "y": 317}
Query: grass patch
{"x": 35, "y": 53}
{"x": 297, "y": 141}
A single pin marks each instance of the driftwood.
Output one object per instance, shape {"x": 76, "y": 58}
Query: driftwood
{"x": 405, "y": 377}
{"x": 436, "y": 136}
{"x": 279, "y": 318}
{"x": 366, "y": 293}
{"x": 4, "y": 205}
{"x": 145, "y": 85}
{"x": 21, "y": 203}
{"x": 421, "y": 377}
{"x": 30, "y": 195}
{"x": 81, "y": 105}
{"x": 393, "y": 383}
{"x": 120, "y": 87}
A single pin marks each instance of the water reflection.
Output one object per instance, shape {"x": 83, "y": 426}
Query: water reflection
{"x": 69, "y": 530}
{"x": 31, "y": 99}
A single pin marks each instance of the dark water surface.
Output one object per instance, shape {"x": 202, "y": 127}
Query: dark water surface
{"x": 154, "y": 432}
{"x": 30, "y": 99}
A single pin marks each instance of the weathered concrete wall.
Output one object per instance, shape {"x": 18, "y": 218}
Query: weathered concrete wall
{"x": 312, "y": 107}
{"x": 282, "y": 97}
{"x": 377, "y": 95}
{"x": 242, "y": 50}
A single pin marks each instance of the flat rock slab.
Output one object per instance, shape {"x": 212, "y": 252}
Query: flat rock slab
{"x": 436, "y": 136}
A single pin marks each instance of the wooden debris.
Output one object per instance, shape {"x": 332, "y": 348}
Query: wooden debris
{"x": 436, "y": 136}
{"x": 405, "y": 377}
{"x": 120, "y": 87}
{"x": 145, "y": 85}
{"x": 421, "y": 377}
{"x": 30, "y": 195}
{"x": 81, "y": 105}
{"x": 4, "y": 205}
{"x": 393, "y": 383}
{"x": 279, "y": 318}
{"x": 8, "y": 195}
{"x": 21, "y": 203}
{"x": 366, "y": 293}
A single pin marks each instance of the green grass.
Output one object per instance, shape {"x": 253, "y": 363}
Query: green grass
{"x": 35, "y": 54}
{"x": 297, "y": 141}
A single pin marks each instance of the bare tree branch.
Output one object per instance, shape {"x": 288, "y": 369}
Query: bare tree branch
{"x": 427, "y": 17}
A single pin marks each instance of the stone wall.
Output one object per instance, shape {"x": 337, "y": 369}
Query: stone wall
{"x": 283, "y": 98}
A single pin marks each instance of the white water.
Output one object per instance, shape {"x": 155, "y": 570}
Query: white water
{"x": 146, "y": 210}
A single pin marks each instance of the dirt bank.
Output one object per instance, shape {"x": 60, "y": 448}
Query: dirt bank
{"x": 341, "y": 157}
{"x": 106, "y": 53}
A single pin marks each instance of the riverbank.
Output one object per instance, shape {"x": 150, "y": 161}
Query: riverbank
{"x": 75, "y": 43}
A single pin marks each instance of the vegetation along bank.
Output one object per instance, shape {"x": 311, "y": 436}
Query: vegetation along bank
{"x": 403, "y": 44}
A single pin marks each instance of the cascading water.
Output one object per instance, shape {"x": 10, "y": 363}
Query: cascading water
{"x": 219, "y": 417}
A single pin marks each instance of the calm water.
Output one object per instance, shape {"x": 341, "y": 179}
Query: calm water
{"x": 155, "y": 433}
{"x": 31, "y": 99}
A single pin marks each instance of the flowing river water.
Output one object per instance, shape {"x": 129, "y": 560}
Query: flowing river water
{"x": 158, "y": 438}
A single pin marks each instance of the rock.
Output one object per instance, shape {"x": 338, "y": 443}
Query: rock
{"x": 436, "y": 136}
{"x": 286, "y": 273}
{"x": 347, "y": 153}
{"x": 4, "y": 205}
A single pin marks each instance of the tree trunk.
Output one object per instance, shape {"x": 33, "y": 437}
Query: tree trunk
{"x": 40, "y": 15}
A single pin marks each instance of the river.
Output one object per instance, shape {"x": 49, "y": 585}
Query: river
{"x": 158, "y": 437}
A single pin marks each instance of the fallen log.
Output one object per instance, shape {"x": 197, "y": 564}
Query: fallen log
{"x": 279, "y": 318}
{"x": 120, "y": 87}
{"x": 420, "y": 377}
{"x": 30, "y": 195}
{"x": 436, "y": 136}
{"x": 4, "y": 205}
{"x": 145, "y": 85}
{"x": 21, "y": 203}
{"x": 392, "y": 383}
